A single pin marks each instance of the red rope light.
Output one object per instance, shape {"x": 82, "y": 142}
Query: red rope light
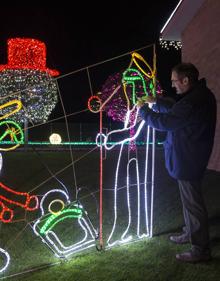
{"x": 27, "y": 53}
{"x": 22, "y": 199}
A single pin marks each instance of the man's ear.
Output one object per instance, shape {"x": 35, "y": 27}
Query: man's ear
{"x": 185, "y": 80}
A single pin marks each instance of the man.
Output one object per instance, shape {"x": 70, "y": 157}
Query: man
{"x": 190, "y": 126}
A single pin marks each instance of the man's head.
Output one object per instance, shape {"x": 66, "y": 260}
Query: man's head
{"x": 183, "y": 77}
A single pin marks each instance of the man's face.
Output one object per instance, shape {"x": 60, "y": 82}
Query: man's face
{"x": 180, "y": 84}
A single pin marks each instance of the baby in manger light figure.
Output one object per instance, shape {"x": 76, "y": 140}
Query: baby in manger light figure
{"x": 130, "y": 197}
{"x": 57, "y": 214}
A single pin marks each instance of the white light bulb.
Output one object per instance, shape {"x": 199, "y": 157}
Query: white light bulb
{"x": 55, "y": 139}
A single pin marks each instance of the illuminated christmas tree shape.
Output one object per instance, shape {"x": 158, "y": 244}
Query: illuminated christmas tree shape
{"x": 27, "y": 78}
{"x": 135, "y": 82}
{"x": 57, "y": 214}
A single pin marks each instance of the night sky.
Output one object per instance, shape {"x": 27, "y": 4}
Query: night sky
{"x": 89, "y": 34}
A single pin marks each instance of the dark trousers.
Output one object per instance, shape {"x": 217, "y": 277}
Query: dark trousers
{"x": 195, "y": 214}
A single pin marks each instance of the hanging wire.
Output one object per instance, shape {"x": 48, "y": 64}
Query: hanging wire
{"x": 90, "y": 84}
{"x": 68, "y": 136}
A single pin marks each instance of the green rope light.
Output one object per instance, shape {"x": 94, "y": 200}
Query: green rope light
{"x": 12, "y": 131}
{"x": 69, "y": 143}
{"x": 132, "y": 80}
{"x": 60, "y": 216}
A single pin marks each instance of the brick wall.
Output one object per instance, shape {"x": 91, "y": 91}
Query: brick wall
{"x": 201, "y": 46}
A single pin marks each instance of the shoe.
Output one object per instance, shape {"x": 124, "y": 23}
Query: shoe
{"x": 180, "y": 239}
{"x": 194, "y": 257}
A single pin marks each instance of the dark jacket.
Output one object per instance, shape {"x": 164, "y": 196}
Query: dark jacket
{"x": 190, "y": 125}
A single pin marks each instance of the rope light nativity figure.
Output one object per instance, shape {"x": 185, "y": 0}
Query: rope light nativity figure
{"x": 27, "y": 78}
{"x": 9, "y": 196}
{"x": 59, "y": 213}
{"x": 118, "y": 99}
{"x": 27, "y": 93}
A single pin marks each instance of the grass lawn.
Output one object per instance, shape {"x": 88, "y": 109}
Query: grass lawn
{"x": 151, "y": 259}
